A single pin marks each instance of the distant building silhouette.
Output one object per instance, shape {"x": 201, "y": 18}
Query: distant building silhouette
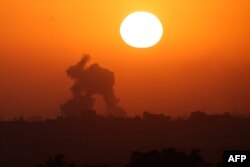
{"x": 147, "y": 116}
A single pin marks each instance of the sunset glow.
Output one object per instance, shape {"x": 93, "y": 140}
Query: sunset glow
{"x": 125, "y": 83}
{"x": 201, "y": 61}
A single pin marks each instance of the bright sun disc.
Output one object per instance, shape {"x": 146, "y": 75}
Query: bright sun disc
{"x": 141, "y": 29}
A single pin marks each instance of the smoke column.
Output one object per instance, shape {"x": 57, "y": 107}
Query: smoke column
{"x": 89, "y": 81}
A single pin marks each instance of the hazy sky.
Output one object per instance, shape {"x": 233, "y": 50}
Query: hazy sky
{"x": 202, "y": 62}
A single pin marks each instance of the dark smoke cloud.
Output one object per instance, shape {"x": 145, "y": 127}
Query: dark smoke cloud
{"x": 89, "y": 81}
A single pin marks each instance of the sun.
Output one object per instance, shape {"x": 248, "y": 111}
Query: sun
{"x": 141, "y": 29}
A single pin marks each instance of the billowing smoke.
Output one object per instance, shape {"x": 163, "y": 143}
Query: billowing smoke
{"x": 89, "y": 81}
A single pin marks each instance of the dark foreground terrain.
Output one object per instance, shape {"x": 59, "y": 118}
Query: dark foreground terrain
{"x": 97, "y": 140}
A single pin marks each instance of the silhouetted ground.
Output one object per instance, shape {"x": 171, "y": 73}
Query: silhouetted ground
{"x": 98, "y": 140}
{"x": 168, "y": 157}
{"x": 164, "y": 158}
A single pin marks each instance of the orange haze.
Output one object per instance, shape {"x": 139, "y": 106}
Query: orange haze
{"x": 202, "y": 62}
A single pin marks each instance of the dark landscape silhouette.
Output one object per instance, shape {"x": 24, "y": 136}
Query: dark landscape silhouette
{"x": 84, "y": 137}
{"x": 94, "y": 139}
{"x": 163, "y": 158}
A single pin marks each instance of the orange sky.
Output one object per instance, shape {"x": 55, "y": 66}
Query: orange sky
{"x": 202, "y": 62}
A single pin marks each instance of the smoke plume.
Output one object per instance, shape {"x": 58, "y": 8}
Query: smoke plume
{"x": 89, "y": 81}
